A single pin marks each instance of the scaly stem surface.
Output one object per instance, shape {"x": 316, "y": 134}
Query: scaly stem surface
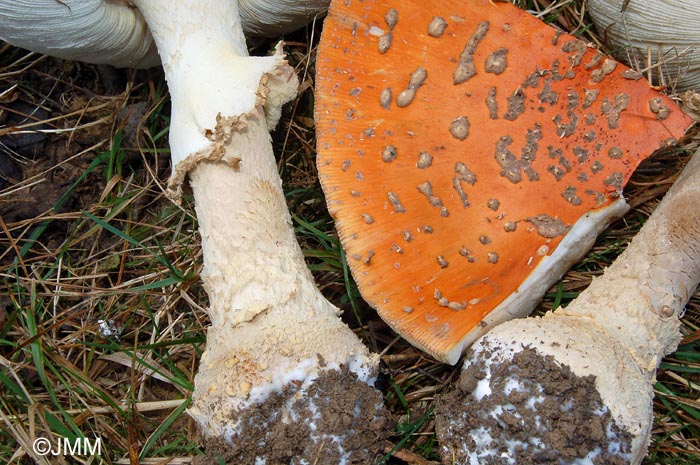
{"x": 270, "y": 324}
{"x": 643, "y": 293}
{"x": 612, "y": 337}
{"x": 273, "y": 336}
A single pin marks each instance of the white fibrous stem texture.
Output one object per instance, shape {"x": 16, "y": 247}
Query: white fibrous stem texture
{"x": 271, "y": 329}
{"x": 621, "y": 326}
{"x": 659, "y": 37}
{"x": 270, "y": 326}
{"x": 642, "y": 295}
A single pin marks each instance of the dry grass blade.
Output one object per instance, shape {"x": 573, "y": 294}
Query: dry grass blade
{"x": 97, "y": 340}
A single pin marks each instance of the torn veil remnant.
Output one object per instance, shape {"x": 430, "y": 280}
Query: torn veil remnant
{"x": 516, "y": 133}
{"x": 274, "y": 340}
{"x": 591, "y": 392}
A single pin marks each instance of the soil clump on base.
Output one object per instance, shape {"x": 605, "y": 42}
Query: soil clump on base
{"x": 337, "y": 420}
{"x": 527, "y": 410}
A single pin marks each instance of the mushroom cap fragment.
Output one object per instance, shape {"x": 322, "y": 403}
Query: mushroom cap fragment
{"x": 114, "y": 31}
{"x": 94, "y": 31}
{"x": 528, "y": 130}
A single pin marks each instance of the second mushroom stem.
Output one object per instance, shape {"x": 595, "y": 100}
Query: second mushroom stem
{"x": 612, "y": 337}
{"x": 643, "y": 293}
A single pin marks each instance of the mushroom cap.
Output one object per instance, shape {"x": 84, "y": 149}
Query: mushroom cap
{"x": 459, "y": 143}
{"x": 648, "y": 32}
{"x": 94, "y": 31}
{"x": 272, "y": 18}
{"x": 114, "y": 31}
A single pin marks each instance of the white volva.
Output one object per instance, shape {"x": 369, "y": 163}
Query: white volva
{"x": 627, "y": 320}
{"x": 271, "y": 327}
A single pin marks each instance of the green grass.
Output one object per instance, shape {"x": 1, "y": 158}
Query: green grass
{"x": 126, "y": 257}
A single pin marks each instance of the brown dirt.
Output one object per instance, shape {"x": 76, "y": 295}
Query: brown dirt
{"x": 338, "y": 420}
{"x": 537, "y": 412}
{"x": 55, "y": 124}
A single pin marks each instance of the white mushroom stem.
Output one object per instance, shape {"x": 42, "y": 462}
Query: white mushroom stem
{"x": 272, "y": 332}
{"x": 623, "y": 324}
{"x": 270, "y": 326}
{"x": 643, "y": 293}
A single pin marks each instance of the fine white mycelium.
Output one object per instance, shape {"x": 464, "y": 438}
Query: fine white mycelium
{"x": 492, "y": 443}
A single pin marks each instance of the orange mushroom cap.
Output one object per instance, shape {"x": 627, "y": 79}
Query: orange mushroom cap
{"x": 458, "y": 143}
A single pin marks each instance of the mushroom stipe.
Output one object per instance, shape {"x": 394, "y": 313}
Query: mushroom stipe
{"x": 547, "y": 125}
{"x": 614, "y": 334}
